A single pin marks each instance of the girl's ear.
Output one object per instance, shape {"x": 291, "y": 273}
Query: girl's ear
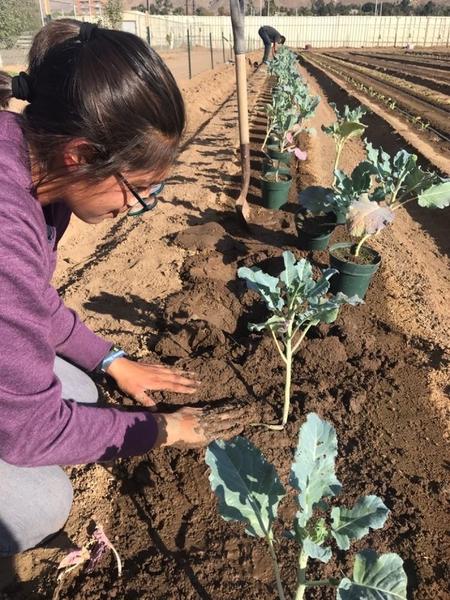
{"x": 78, "y": 152}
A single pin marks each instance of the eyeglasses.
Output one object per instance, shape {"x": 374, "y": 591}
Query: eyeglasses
{"x": 142, "y": 204}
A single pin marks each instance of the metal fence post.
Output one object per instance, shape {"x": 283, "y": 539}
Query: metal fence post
{"x": 223, "y": 48}
{"x": 189, "y": 54}
{"x": 211, "y": 50}
{"x": 396, "y": 32}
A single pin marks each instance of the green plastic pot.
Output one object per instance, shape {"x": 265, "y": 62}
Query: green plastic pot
{"x": 314, "y": 237}
{"x": 275, "y": 193}
{"x": 268, "y": 165}
{"x": 352, "y": 279}
{"x": 275, "y": 154}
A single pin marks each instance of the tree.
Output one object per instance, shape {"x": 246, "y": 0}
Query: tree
{"x": 16, "y": 18}
{"x": 270, "y": 8}
{"x": 140, "y": 8}
{"x": 223, "y": 11}
{"x": 179, "y": 10}
{"x": 161, "y": 7}
{"x": 200, "y": 11}
{"x": 368, "y": 7}
{"x": 113, "y": 10}
{"x": 319, "y": 8}
{"x": 405, "y": 7}
{"x": 429, "y": 9}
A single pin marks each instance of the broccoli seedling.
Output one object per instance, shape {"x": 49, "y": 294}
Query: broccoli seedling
{"x": 249, "y": 491}
{"x": 296, "y": 302}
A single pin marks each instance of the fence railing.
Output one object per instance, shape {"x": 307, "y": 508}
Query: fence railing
{"x": 321, "y": 32}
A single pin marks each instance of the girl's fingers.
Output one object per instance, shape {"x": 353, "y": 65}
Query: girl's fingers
{"x": 146, "y": 400}
{"x": 169, "y": 370}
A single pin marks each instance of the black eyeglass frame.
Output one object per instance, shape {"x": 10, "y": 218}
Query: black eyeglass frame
{"x": 145, "y": 207}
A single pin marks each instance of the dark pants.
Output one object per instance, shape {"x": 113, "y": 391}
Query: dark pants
{"x": 267, "y": 44}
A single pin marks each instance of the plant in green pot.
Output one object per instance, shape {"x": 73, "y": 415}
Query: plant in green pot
{"x": 396, "y": 181}
{"x": 316, "y": 220}
{"x": 347, "y": 126}
{"x": 322, "y": 208}
{"x": 275, "y": 185}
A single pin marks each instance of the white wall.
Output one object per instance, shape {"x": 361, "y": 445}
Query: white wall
{"x": 338, "y": 31}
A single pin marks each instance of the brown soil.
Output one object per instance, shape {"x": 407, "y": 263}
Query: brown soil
{"x": 437, "y": 117}
{"x": 430, "y": 145}
{"x": 165, "y": 287}
{"x": 365, "y": 256}
{"x": 434, "y": 79}
{"x": 421, "y": 60}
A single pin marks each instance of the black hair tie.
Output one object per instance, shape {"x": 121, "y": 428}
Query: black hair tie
{"x": 87, "y": 31}
{"x": 21, "y": 86}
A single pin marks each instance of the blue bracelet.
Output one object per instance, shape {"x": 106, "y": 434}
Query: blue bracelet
{"x": 110, "y": 357}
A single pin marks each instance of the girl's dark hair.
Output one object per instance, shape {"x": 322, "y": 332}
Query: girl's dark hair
{"x": 112, "y": 90}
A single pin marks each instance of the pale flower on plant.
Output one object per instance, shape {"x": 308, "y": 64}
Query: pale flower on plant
{"x": 367, "y": 218}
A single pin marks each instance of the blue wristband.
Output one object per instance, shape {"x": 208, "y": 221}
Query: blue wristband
{"x": 110, "y": 357}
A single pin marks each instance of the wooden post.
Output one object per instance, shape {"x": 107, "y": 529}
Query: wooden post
{"x": 189, "y": 54}
{"x": 211, "y": 50}
{"x": 237, "y": 11}
{"x": 149, "y": 39}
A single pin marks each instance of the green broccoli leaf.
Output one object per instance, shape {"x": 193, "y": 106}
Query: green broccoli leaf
{"x": 317, "y": 199}
{"x": 264, "y": 284}
{"x": 354, "y": 523}
{"x": 246, "y": 485}
{"x": 316, "y": 551}
{"x": 312, "y": 472}
{"x": 436, "y": 196}
{"x": 375, "y": 578}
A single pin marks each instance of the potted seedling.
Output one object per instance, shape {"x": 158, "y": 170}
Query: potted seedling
{"x": 395, "y": 182}
{"x": 322, "y": 208}
{"x": 275, "y": 185}
{"x": 249, "y": 491}
{"x": 296, "y": 302}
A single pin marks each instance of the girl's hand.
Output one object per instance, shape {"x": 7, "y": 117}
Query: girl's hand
{"x": 137, "y": 379}
{"x": 195, "y": 427}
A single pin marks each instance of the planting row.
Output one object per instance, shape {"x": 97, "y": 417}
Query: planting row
{"x": 419, "y": 111}
{"x": 419, "y": 91}
{"x": 364, "y": 201}
{"x": 435, "y": 79}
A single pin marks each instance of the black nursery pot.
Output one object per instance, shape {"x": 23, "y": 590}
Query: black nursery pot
{"x": 353, "y": 279}
{"x": 275, "y": 193}
{"x": 314, "y": 232}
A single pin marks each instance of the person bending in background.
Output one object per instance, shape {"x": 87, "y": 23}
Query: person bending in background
{"x": 270, "y": 37}
{"x": 100, "y": 132}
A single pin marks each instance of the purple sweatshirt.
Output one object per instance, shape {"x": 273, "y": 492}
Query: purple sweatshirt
{"x": 37, "y": 426}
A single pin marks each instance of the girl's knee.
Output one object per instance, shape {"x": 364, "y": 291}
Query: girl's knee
{"x": 38, "y": 509}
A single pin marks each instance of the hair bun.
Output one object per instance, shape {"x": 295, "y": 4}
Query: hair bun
{"x": 21, "y": 86}
{"x": 87, "y": 31}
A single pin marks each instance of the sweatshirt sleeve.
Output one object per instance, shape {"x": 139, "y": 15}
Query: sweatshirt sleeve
{"x": 70, "y": 337}
{"x": 38, "y": 427}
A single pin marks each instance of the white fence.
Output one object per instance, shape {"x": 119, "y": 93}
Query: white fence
{"x": 320, "y": 32}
